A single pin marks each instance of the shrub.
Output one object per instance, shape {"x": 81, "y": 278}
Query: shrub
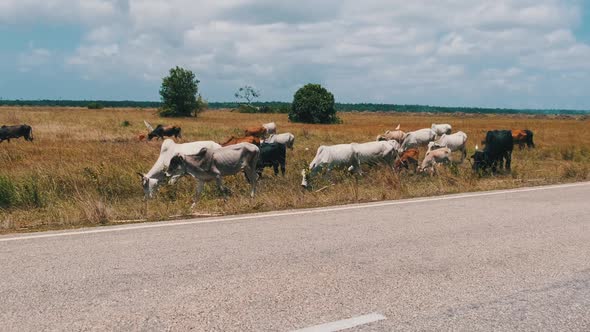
{"x": 8, "y": 193}
{"x": 247, "y": 109}
{"x": 313, "y": 104}
{"x": 125, "y": 123}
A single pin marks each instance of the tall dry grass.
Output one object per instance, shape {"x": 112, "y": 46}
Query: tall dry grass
{"x": 81, "y": 168}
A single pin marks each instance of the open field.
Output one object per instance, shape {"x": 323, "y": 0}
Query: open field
{"x": 81, "y": 168}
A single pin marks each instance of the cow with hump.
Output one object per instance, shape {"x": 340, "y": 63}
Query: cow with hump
{"x": 8, "y": 132}
{"x": 498, "y": 148}
{"x": 213, "y": 164}
{"x": 156, "y": 175}
{"x": 415, "y": 139}
{"x": 455, "y": 142}
{"x": 350, "y": 156}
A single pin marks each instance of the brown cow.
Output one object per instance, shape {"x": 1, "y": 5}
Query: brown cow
{"x": 408, "y": 160}
{"x": 522, "y": 137}
{"x": 255, "y": 131}
{"x": 248, "y": 139}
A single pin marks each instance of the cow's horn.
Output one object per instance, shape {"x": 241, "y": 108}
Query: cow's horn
{"x": 140, "y": 174}
{"x": 476, "y": 148}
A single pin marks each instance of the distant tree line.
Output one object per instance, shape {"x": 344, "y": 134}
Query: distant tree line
{"x": 284, "y": 107}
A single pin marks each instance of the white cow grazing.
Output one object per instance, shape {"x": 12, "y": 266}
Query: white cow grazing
{"x": 442, "y": 128}
{"x": 439, "y": 156}
{"x": 213, "y": 164}
{"x": 418, "y": 138}
{"x": 351, "y": 156}
{"x": 286, "y": 139}
{"x": 455, "y": 142}
{"x": 392, "y": 135}
{"x": 271, "y": 128}
{"x": 156, "y": 175}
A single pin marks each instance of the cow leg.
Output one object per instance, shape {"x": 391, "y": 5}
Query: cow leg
{"x": 220, "y": 186}
{"x": 252, "y": 178}
{"x": 282, "y": 168}
{"x": 200, "y": 185}
{"x": 275, "y": 167}
{"x": 508, "y": 160}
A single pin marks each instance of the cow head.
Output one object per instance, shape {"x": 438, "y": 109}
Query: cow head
{"x": 149, "y": 185}
{"x": 480, "y": 160}
{"x": 177, "y": 166}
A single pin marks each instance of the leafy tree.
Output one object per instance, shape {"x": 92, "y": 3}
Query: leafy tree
{"x": 179, "y": 93}
{"x": 247, "y": 93}
{"x": 313, "y": 104}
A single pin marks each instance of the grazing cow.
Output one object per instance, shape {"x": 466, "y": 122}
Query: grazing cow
{"x": 498, "y": 147}
{"x": 255, "y": 131}
{"x": 272, "y": 154}
{"x": 407, "y": 160}
{"x": 271, "y": 128}
{"x": 434, "y": 157}
{"x": 8, "y": 132}
{"x": 286, "y": 139}
{"x": 441, "y": 129}
{"x": 351, "y": 156}
{"x": 161, "y": 131}
{"x": 153, "y": 179}
{"x": 213, "y": 164}
{"x": 522, "y": 137}
{"x": 455, "y": 142}
{"x": 418, "y": 138}
{"x": 236, "y": 140}
{"x": 392, "y": 135}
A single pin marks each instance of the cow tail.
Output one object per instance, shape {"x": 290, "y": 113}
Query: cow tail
{"x": 30, "y": 133}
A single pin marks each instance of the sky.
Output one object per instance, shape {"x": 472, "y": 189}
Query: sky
{"x": 487, "y": 53}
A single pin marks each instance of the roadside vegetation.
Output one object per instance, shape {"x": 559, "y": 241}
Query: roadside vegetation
{"x": 81, "y": 168}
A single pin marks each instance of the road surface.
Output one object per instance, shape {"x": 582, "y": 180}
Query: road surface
{"x": 501, "y": 261}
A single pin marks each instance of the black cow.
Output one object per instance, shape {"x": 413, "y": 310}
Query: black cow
{"x": 272, "y": 154}
{"x": 8, "y": 132}
{"x": 162, "y": 131}
{"x": 498, "y": 147}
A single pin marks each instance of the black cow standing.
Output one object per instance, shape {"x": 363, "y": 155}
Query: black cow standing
{"x": 160, "y": 131}
{"x": 8, "y": 132}
{"x": 498, "y": 147}
{"x": 272, "y": 154}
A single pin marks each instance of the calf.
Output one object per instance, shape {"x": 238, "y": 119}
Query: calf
{"x": 455, "y": 142}
{"x": 8, "y": 132}
{"x": 407, "y": 160}
{"x": 165, "y": 131}
{"x": 248, "y": 139}
{"x": 272, "y": 154}
{"x": 498, "y": 147}
{"x": 208, "y": 165}
{"x": 438, "y": 156}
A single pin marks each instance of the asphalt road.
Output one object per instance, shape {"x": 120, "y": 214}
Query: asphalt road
{"x": 501, "y": 261}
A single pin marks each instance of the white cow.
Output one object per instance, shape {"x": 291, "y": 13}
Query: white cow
{"x": 156, "y": 175}
{"x": 286, "y": 139}
{"x": 439, "y": 156}
{"x": 213, "y": 164}
{"x": 392, "y": 135}
{"x": 441, "y": 128}
{"x": 418, "y": 138}
{"x": 351, "y": 156}
{"x": 271, "y": 128}
{"x": 455, "y": 142}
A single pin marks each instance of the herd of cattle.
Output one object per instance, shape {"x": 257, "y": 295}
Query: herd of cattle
{"x": 262, "y": 147}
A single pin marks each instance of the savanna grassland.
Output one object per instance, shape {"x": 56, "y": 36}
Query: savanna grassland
{"x": 81, "y": 168}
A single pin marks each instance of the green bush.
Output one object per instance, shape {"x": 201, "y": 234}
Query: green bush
{"x": 179, "y": 93}
{"x": 247, "y": 109}
{"x": 125, "y": 123}
{"x": 313, "y": 104}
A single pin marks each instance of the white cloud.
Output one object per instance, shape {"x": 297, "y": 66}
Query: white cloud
{"x": 381, "y": 50}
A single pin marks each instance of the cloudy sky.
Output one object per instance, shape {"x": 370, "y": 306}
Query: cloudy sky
{"x": 496, "y": 53}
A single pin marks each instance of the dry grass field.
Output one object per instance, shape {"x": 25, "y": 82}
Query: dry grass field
{"x": 81, "y": 168}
